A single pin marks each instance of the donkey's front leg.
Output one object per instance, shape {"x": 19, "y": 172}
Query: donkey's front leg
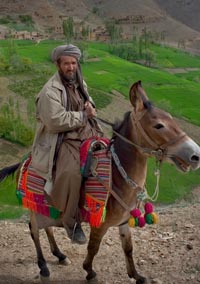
{"x": 127, "y": 246}
{"x": 96, "y": 236}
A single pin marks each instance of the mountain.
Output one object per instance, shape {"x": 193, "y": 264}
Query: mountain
{"x": 173, "y": 21}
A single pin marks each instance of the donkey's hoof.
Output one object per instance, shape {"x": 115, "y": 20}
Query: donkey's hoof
{"x": 44, "y": 272}
{"x": 91, "y": 275}
{"x": 65, "y": 261}
{"x": 44, "y": 280}
{"x": 141, "y": 280}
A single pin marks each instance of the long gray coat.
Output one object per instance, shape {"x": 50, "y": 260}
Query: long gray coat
{"x": 52, "y": 118}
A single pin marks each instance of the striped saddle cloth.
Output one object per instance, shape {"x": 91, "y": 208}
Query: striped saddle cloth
{"x": 96, "y": 171}
{"x": 30, "y": 191}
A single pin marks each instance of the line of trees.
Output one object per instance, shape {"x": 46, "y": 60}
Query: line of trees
{"x": 70, "y": 33}
{"x": 138, "y": 49}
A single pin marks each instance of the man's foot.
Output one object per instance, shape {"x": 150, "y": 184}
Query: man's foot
{"x": 76, "y": 234}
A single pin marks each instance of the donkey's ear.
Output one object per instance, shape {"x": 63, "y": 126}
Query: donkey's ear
{"x": 136, "y": 96}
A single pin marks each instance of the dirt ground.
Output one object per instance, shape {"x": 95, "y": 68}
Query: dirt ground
{"x": 166, "y": 253}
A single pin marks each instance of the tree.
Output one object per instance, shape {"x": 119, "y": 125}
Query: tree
{"x": 85, "y": 32}
{"x": 150, "y": 57}
{"x": 68, "y": 28}
{"x": 113, "y": 30}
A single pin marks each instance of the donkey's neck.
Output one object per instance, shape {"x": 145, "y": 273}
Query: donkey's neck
{"x": 133, "y": 161}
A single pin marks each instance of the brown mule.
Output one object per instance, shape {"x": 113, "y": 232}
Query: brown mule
{"x": 145, "y": 131}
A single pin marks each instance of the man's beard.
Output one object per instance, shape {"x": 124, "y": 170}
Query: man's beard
{"x": 68, "y": 78}
{"x": 71, "y": 77}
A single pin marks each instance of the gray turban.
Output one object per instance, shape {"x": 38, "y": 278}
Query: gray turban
{"x": 67, "y": 50}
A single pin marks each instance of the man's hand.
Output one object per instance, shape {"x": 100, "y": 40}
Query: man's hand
{"x": 90, "y": 111}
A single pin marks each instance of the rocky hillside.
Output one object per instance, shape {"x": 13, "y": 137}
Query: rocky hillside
{"x": 173, "y": 20}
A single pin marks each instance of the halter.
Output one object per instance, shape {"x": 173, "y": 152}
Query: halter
{"x": 160, "y": 150}
{"x": 159, "y": 153}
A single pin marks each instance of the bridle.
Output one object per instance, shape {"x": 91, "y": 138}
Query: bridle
{"x": 158, "y": 151}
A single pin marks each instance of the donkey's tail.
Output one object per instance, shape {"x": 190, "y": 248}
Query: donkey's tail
{"x": 5, "y": 172}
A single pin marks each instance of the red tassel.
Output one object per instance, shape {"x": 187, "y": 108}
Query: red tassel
{"x": 96, "y": 210}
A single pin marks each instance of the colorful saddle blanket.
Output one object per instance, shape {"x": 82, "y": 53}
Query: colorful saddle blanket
{"x": 96, "y": 171}
{"x": 30, "y": 191}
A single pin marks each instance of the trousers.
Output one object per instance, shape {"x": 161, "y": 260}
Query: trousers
{"x": 65, "y": 194}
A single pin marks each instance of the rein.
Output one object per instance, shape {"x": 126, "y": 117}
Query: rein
{"x": 159, "y": 154}
{"x": 142, "y": 192}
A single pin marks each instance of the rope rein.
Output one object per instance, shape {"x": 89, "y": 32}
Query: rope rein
{"x": 159, "y": 155}
{"x": 142, "y": 194}
{"x": 121, "y": 169}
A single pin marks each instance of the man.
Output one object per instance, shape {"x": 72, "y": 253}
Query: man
{"x": 65, "y": 117}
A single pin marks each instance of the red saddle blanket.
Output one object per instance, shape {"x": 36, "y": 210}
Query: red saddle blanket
{"x": 30, "y": 191}
{"x": 96, "y": 172}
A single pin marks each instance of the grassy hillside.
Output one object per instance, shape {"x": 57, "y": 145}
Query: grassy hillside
{"x": 8, "y": 201}
{"x": 177, "y": 93}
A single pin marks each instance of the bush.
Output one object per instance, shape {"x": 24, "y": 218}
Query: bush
{"x": 19, "y": 64}
{"x": 26, "y": 19}
{"x": 12, "y": 62}
{"x": 4, "y": 20}
{"x": 128, "y": 52}
{"x": 12, "y": 126}
{"x": 15, "y": 130}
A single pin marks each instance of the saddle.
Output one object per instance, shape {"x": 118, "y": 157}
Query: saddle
{"x": 96, "y": 171}
{"x": 95, "y": 168}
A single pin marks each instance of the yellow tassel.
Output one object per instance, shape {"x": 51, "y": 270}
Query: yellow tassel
{"x": 131, "y": 222}
{"x": 155, "y": 217}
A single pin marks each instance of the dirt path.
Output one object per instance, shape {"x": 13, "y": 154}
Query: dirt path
{"x": 167, "y": 253}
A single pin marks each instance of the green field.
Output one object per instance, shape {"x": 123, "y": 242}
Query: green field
{"x": 177, "y": 93}
{"x": 9, "y": 206}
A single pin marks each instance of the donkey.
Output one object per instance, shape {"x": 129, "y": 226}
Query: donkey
{"x": 144, "y": 132}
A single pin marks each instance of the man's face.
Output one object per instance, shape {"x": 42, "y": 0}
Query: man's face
{"x": 68, "y": 66}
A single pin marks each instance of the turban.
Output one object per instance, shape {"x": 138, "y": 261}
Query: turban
{"x": 66, "y": 50}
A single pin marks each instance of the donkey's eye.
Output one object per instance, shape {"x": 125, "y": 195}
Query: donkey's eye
{"x": 159, "y": 126}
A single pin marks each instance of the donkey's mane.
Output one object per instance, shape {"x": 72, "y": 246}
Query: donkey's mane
{"x": 118, "y": 125}
{"x": 148, "y": 105}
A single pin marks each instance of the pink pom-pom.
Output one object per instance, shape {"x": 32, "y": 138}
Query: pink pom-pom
{"x": 148, "y": 207}
{"x": 141, "y": 221}
{"x": 136, "y": 212}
